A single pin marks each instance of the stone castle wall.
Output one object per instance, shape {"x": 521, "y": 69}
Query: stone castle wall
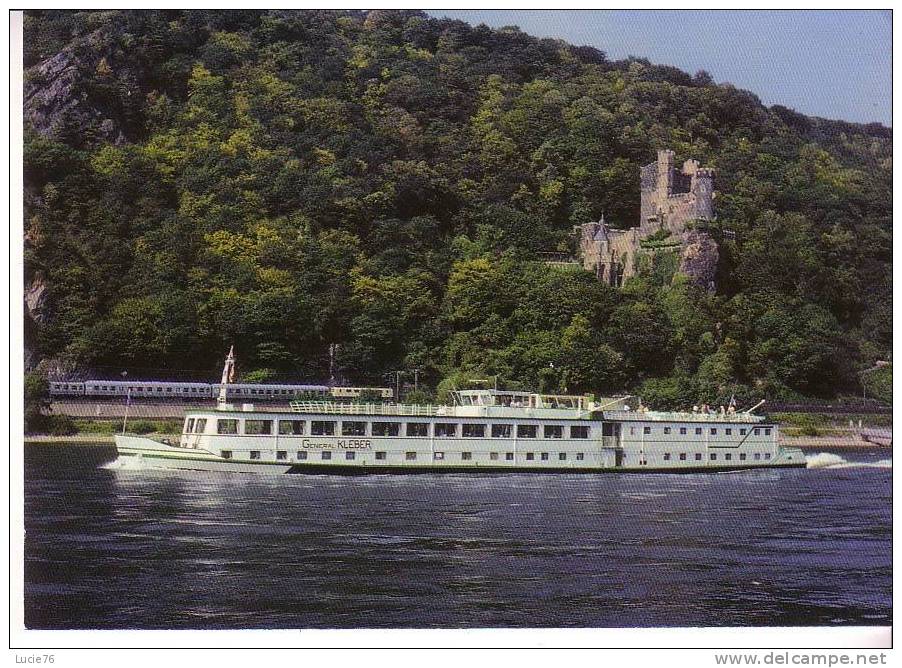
{"x": 670, "y": 198}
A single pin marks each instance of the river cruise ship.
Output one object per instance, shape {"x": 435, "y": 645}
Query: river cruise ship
{"x": 484, "y": 430}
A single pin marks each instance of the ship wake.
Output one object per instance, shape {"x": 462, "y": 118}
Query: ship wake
{"x": 127, "y": 464}
{"x": 828, "y": 460}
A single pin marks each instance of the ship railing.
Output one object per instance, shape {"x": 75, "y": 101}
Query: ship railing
{"x": 678, "y": 416}
{"x": 366, "y": 409}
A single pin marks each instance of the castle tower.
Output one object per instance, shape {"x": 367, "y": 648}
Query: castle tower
{"x": 703, "y": 189}
{"x": 665, "y": 173}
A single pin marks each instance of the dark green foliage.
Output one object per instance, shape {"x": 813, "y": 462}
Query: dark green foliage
{"x": 386, "y": 182}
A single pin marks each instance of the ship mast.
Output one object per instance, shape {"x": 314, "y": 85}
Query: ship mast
{"x": 228, "y": 376}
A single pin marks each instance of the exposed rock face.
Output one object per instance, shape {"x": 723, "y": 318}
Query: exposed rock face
{"x": 36, "y": 299}
{"x": 59, "y": 104}
{"x": 699, "y": 259}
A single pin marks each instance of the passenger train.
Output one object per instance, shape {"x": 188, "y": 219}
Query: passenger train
{"x": 188, "y": 391}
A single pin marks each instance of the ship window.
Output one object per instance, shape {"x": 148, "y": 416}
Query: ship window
{"x": 473, "y": 430}
{"x": 255, "y": 454}
{"x": 386, "y": 428}
{"x": 767, "y": 432}
{"x": 380, "y": 455}
{"x": 189, "y": 426}
{"x": 767, "y": 455}
{"x": 579, "y": 431}
{"x": 713, "y": 431}
{"x": 438, "y": 455}
{"x": 580, "y": 456}
{"x": 410, "y": 455}
{"x": 291, "y": 427}
{"x": 683, "y": 431}
{"x": 757, "y": 455}
{"x": 646, "y": 430}
{"x": 350, "y": 455}
{"x": 698, "y": 456}
{"x": 509, "y": 456}
{"x": 501, "y": 431}
{"x": 281, "y": 454}
{"x": 666, "y": 456}
{"x": 353, "y": 428}
{"x": 445, "y": 429}
{"x": 544, "y": 456}
{"x": 756, "y": 431}
{"x": 607, "y": 430}
{"x": 728, "y": 456}
{"x": 666, "y": 430}
{"x": 729, "y": 432}
{"x": 526, "y": 431}
{"x": 682, "y": 456}
{"x": 530, "y": 456}
{"x": 562, "y": 456}
{"x": 326, "y": 454}
{"x": 493, "y": 455}
{"x": 417, "y": 429}
{"x": 554, "y": 431}
{"x": 713, "y": 456}
{"x": 698, "y": 431}
{"x": 227, "y": 426}
{"x": 320, "y": 428}
{"x": 742, "y": 456}
{"x": 258, "y": 427}
{"x": 200, "y": 426}
{"x": 742, "y": 432}
{"x": 302, "y": 454}
{"x": 226, "y": 454}
{"x": 466, "y": 456}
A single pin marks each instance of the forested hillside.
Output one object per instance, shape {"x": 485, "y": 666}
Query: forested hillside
{"x": 387, "y": 182}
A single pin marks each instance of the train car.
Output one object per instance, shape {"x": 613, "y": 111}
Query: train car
{"x": 356, "y": 392}
{"x": 66, "y": 388}
{"x": 269, "y": 392}
{"x": 147, "y": 389}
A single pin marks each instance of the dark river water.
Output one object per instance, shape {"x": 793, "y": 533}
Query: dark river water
{"x": 113, "y": 548}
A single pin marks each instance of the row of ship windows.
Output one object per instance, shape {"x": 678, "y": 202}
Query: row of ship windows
{"x": 354, "y": 428}
{"x": 713, "y": 431}
{"x": 282, "y": 455}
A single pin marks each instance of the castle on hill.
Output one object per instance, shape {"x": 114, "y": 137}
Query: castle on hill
{"x": 672, "y": 201}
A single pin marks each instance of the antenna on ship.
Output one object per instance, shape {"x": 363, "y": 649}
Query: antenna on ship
{"x": 228, "y": 376}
